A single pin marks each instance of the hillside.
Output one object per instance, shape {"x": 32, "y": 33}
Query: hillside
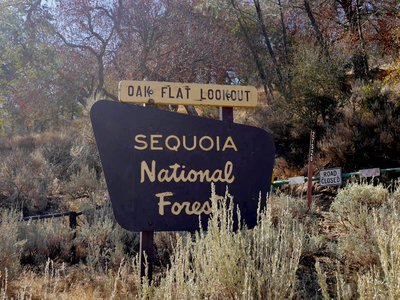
{"x": 332, "y": 67}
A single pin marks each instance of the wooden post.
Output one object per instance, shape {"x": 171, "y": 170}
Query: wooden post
{"x": 72, "y": 220}
{"x": 72, "y": 225}
{"x": 226, "y": 114}
{"x": 146, "y": 247}
{"x": 310, "y": 168}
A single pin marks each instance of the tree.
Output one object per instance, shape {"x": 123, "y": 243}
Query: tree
{"x": 252, "y": 17}
{"x": 88, "y": 27}
{"x": 358, "y": 29}
{"x": 393, "y": 77}
{"x": 145, "y": 40}
{"x": 316, "y": 28}
{"x": 173, "y": 41}
{"x": 29, "y": 66}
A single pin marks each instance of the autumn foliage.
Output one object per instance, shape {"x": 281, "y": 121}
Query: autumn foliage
{"x": 331, "y": 66}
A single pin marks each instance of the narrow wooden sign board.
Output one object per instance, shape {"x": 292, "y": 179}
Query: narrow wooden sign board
{"x": 154, "y": 92}
{"x": 159, "y": 165}
{"x": 310, "y": 169}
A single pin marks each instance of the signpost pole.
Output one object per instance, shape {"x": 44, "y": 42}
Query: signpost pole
{"x": 146, "y": 249}
{"x": 226, "y": 114}
{"x": 310, "y": 168}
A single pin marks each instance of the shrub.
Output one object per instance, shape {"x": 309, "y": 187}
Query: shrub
{"x": 351, "y": 212}
{"x": 101, "y": 242}
{"x": 367, "y": 135}
{"x": 383, "y": 280}
{"x": 25, "y": 179}
{"x": 84, "y": 149}
{"x": 222, "y": 263}
{"x": 49, "y": 238}
{"x": 83, "y": 183}
{"x": 56, "y": 151}
{"x": 379, "y": 279}
{"x": 10, "y": 246}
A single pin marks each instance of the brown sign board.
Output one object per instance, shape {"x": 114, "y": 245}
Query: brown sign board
{"x": 187, "y": 94}
{"x": 159, "y": 166}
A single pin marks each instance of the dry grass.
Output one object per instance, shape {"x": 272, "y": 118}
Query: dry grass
{"x": 38, "y": 171}
{"x": 367, "y": 251}
{"x": 219, "y": 263}
{"x": 224, "y": 263}
{"x": 355, "y": 243}
{"x": 11, "y": 245}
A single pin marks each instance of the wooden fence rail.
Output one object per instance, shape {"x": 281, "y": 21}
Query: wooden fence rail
{"x": 71, "y": 214}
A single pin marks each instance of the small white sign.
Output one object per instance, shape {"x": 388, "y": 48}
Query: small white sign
{"x": 370, "y": 172}
{"x": 296, "y": 180}
{"x": 330, "y": 177}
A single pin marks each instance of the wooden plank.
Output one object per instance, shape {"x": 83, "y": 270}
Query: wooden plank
{"x": 155, "y": 92}
{"x": 310, "y": 168}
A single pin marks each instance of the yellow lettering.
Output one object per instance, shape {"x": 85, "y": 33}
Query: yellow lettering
{"x": 174, "y": 168}
{"x": 173, "y": 148}
{"x": 144, "y": 168}
{"x": 204, "y": 175}
{"x": 229, "y": 143}
{"x": 162, "y": 202}
{"x": 137, "y": 140}
{"x": 192, "y": 176}
{"x": 195, "y": 208}
{"x": 194, "y": 143}
{"x": 178, "y": 173}
{"x": 181, "y": 176}
{"x": 163, "y": 176}
{"x": 228, "y": 172}
{"x": 217, "y": 176}
{"x": 154, "y": 141}
{"x": 202, "y": 146}
{"x": 206, "y": 208}
{"x": 177, "y": 208}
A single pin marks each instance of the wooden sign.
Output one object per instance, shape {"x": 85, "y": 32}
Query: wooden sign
{"x": 330, "y": 177}
{"x": 187, "y": 94}
{"x": 159, "y": 165}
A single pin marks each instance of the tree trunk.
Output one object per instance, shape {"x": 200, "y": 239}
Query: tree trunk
{"x": 286, "y": 49}
{"x": 191, "y": 110}
{"x": 359, "y": 59}
{"x": 363, "y": 59}
{"x": 261, "y": 72}
{"x": 270, "y": 49}
{"x": 315, "y": 26}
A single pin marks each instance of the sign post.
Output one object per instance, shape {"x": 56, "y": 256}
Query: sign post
{"x": 146, "y": 250}
{"x": 226, "y": 114}
{"x": 310, "y": 168}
